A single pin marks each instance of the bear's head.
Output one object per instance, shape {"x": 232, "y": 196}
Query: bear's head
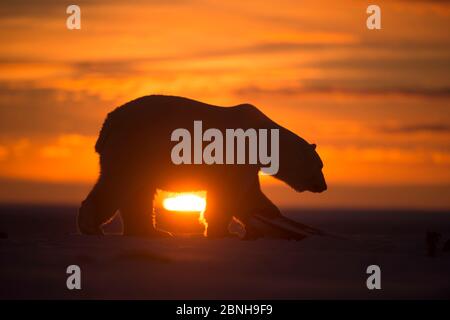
{"x": 300, "y": 164}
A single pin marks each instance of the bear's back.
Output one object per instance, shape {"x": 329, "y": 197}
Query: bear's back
{"x": 171, "y": 112}
{"x": 157, "y": 106}
{"x": 157, "y": 116}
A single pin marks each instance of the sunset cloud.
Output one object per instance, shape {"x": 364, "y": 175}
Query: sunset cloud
{"x": 302, "y": 90}
{"x": 375, "y": 102}
{"x": 418, "y": 128}
{"x": 3, "y": 153}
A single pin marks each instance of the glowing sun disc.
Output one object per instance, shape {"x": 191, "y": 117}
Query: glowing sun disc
{"x": 185, "y": 202}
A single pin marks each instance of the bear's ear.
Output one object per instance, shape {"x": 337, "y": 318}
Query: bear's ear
{"x": 313, "y": 146}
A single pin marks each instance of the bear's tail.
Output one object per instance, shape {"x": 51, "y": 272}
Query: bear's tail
{"x": 104, "y": 133}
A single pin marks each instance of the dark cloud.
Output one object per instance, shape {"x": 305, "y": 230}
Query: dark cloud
{"x": 443, "y": 93}
{"x": 280, "y": 47}
{"x": 85, "y": 68}
{"x": 410, "y": 63}
{"x": 416, "y": 128}
{"x": 428, "y": 1}
{"x": 25, "y": 110}
{"x": 24, "y": 191}
{"x": 120, "y": 65}
{"x": 46, "y": 8}
{"x": 42, "y": 8}
{"x": 114, "y": 68}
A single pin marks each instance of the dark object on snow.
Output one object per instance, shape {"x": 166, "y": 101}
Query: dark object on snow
{"x": 432, "y": 240}
{"x": 3, "y": 235}
{"x": 446, "y": 247}
{"x": 260, "y": 226}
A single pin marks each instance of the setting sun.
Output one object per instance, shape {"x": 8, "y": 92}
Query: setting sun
{"x": 185, "y": 202}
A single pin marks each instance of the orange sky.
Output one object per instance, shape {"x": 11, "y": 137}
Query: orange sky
{"x": 375, "y": 102}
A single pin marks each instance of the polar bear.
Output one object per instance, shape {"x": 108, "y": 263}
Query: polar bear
{"x": 135, "y": 146}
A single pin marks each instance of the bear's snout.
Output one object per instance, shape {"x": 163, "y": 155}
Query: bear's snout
{"x": 319, "y": 184}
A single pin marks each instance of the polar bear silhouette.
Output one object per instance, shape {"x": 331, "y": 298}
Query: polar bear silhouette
{"x": 135, "y": 160}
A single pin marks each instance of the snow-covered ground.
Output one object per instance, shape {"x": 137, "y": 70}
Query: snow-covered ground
{"x": 42, "y": 242}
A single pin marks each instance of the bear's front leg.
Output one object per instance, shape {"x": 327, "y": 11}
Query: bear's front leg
{"x": 255, "y": 202}
{"x": 99, "y": 207}
{"x": 218, "y": 214}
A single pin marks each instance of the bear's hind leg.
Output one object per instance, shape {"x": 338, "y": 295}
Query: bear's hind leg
{"x": 137, "y": 215}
